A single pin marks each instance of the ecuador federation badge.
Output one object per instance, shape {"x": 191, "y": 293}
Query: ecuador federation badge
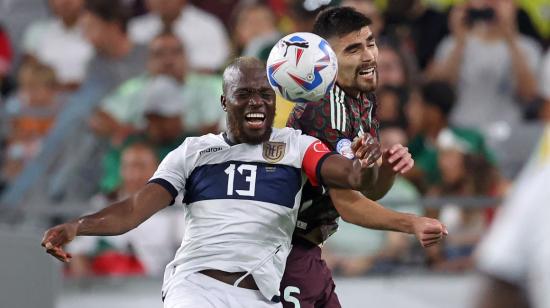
{"x": 274, "y": 151}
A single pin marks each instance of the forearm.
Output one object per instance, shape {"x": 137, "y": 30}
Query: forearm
{"x": 449, "y": 68}
{"x": 115, "y": 219}
{"x": 357, "y": 210}
{"x": 380, "y": 187}
{"x": 526, "y": 84}
{"x": 340, "y": 172}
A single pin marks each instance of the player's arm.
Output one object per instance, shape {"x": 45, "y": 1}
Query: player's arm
{"x": 118, "y": 218}
{"x": 356, "y": 209}
{"x": 358, "y": 174}
{"x": 396, "y": 160}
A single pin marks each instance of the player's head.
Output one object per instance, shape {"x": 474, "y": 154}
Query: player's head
{"x": 248, "y": 100}
{"x": 351, "y": 38}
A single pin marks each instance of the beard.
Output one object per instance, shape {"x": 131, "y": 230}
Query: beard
{"x": 369, "y": 86}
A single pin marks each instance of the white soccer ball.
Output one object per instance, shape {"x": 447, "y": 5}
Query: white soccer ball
{"x": 302, "y": 67}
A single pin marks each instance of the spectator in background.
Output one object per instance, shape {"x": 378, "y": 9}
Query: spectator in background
{"x": 144, "y": 250}
{"x": 254, "y": 30}
{"x": 122, "y": 112}
{"x": 394, "y": 68}
{"x": 395, "y": 82}
{"x": 369, "y": 9}
{"x": 492, "y": 65}
{"x": 65, "y": 163}
{"x": 28, "y": 116}
{"x": 434, "y": 105}
{"x": 391, "y": 101}
{"x": 5, "y": 62}
{"x": 202, "y": 33}
{"x": 224, "y": 10}
{"x": 354, "y": 251}
{"x": 463, "y": 174}
{"x": 164, "y": 130}
{"x": 416, "y": 27}
{"x": 59, "y": 42}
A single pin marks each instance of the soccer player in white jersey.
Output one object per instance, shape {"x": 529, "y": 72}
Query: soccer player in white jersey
{"x": 242, "y": 193}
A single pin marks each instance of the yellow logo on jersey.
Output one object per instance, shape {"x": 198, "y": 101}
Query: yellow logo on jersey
{"x": 274, "y": 151}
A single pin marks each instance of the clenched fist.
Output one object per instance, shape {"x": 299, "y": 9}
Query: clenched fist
{"x": 428, "y": 231}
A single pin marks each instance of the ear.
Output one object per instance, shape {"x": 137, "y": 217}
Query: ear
{"x": 223, "y": 100}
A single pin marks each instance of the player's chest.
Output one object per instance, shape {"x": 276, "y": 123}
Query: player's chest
{"x": 266, "y": 173}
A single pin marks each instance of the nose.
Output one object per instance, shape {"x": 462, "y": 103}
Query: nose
{"x": 255, "y": 100}
{"x": 368, "y": 54}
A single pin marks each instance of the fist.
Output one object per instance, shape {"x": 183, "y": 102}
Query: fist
{"x": 56, "y": 237}
{"x": 398, "y": 159}
{"x": 429, "y": 231}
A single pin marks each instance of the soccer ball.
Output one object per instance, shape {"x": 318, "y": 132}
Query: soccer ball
{"x": 302, "y": 67}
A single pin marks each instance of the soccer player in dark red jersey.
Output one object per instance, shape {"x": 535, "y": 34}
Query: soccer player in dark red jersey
{"x": 347, "y": 112}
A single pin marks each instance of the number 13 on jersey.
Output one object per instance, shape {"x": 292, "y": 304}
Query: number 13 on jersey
{"x": 250, "y": 179}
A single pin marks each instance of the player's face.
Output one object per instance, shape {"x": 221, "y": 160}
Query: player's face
{"x": 357, "y": 54}
{"x": 250, "y": 105}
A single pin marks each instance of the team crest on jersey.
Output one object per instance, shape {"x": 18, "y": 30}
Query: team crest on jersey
{"x": 274, "y": 151}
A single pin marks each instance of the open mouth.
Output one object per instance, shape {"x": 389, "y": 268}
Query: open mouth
{"x": 255, "y": 119}
{"x": 367, "y": 72}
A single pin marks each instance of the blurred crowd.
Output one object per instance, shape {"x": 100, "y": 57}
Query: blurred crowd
{"x": 94, "y": 93}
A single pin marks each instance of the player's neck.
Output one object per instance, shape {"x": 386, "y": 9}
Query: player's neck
{"x": 229, "y": 138}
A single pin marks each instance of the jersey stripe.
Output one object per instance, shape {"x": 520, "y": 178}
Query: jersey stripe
{"x": 341, "y": 102}
{"x": 270, "y": 183}
{"x": 332, "y": 109}
{"x": 338, "y": 114}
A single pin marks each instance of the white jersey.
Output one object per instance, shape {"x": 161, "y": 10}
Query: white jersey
{"x": 242, "y": 202}
{"x": 517, "y": 247}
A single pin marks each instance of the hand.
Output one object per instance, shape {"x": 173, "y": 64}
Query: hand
{"x": 457, "y": 22}
{"x": 506, "y": 17}
{"x": 429, "y": 231}
{"x": 367, "y": 149}
{"x": 398, "y": 159}
{"x": 58, "y": 236}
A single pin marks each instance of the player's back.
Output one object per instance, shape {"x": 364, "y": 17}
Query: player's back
{"x": 241, "y": 204}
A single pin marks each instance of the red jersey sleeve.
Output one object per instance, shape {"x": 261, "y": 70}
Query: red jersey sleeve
{"x": 314, "y": 158}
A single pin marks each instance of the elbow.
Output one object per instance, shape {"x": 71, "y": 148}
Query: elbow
{"x": 373, "y": 194}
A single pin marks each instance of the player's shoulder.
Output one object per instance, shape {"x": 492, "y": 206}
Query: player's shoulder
{"x": 285, "y": 133}
{"x": 303, "y": 114}
{"x": 198, "y": 143}
{"x": 290, "y": 135}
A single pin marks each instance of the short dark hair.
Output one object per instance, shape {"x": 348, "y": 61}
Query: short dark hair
{"x": 110, "y": 11}
{"x": 339, "y": 21}
{"x": 239, "y": 64}
{"x": 439, "y": 94}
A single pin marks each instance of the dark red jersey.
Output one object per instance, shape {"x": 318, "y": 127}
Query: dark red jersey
{"x": 336, "y": 120}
